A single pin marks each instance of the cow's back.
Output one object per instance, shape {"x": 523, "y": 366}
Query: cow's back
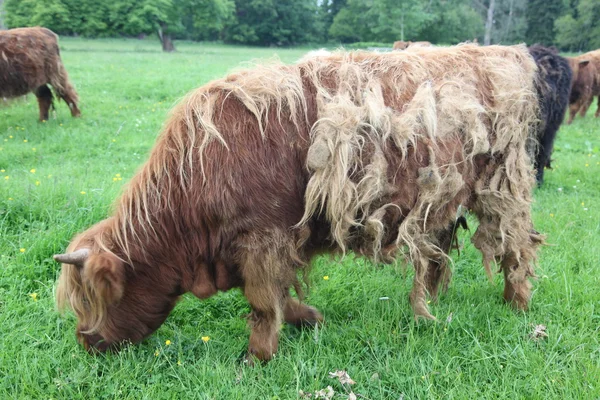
{"x": 28, "y": 56}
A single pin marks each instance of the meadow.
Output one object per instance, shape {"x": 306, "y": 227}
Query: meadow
{"x": 59, "y": 177}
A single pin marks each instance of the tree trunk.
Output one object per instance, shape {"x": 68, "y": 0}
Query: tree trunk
{"x": 509, "y": 20}
{"x": 488, "y": 24}
{"x": 165, "y": 39}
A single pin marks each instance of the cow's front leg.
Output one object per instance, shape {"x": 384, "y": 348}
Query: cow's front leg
{"x": 265, "y": 320}
{"x": 298, "y": 314}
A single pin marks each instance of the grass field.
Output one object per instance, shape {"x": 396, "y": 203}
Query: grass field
{"x": 59, "y": 177}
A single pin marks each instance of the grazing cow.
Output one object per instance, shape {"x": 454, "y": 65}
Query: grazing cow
{"x": 255, "y": 174}
{"x": 402, "y": 45}
{"x": 553, "y": 85}
{"x": 583, "y": 85}
{"x": 594, "y": 57}
{"x": 29, "y": 61}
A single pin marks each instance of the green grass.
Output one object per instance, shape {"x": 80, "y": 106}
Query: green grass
{"x": 126, "y": 89}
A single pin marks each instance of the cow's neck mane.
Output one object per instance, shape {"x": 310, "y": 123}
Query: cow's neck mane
{"x": 158, "y": 217}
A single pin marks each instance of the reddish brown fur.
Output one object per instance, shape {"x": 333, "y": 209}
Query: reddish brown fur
{"x": 594, "y": 57}
{"x": 184, "y": 225}
{"x": 402, "y": 45}
{"x": 29, "y": 61}
{"x": 585, "y": 84}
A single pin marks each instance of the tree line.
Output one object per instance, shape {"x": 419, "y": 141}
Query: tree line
{"x": 572, "y": 25}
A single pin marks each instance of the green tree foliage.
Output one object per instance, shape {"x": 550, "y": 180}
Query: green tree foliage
{"x": 273, "y": 22}
{"x": 454, "y": 21}
{"x": 541, "y": 15}
{"x": 579, "y": 29}
{"x": 570, "y": 24}
{"x": 380, "y": 20}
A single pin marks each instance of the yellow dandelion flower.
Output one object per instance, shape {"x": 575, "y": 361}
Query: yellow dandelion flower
{"x": 33, "y": 149}
{"x": 587, "y": 165}
{"x": 34, "y": 296}
{"x": 82, "y": 192}
{"x": 168, "y": 342}
{"x": 590, "y": 154}
{"x": 118, "y": 175}
{"x": 24, "y": 140}
{"x": 115, "y": 179}
{"x": 7, "y": 177}
{"x": 10, "y": 137}
{"x": 582, "y": 203}
{"x": 179, "y": 362}
{"x": 205, "y": 339}
{"x": 552, "y": 215}
{"x": 60, "y": 124}
{"x": 44, "y": 121}
{"x": 37, "y": 183}
{"x": 156, "y": 353}
{"x": 114, "y": 140}
{"x": 32, "y": 171}
{"x": 10, "y": 199}
{"x": 326, "y": 278}
{"x": 2, "y": 170}
{"x": 22, "y": 250}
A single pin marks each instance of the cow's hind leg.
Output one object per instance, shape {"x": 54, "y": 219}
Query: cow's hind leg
{"x": 298, "y": 314}
{"x": 587, "y": 102}
{"x": 439, "y": 273}
{"x": 418, "y": 294}
{"x": 44, "y": 98}
{"x": 598, "y": 109}
{"x": 506, "y": 234}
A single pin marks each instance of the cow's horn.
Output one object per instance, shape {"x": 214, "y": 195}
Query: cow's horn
{"x": 76, "y": 258}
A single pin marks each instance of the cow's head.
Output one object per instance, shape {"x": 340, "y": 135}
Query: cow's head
{"x": 114, "y": 301}
{"x": 576, "y": 66}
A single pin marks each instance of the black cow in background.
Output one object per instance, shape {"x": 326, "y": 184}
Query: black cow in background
{"x": 553, "y": 86}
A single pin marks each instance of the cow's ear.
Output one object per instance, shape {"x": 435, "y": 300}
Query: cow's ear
{"x": 583, "y": 63}
{"x": 105, "y": 275}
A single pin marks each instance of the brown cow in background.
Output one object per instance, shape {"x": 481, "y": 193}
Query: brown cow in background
{"x": 585, "y": 83}
{"x": 29, "y": 61}
{"x": 402, "y": 45}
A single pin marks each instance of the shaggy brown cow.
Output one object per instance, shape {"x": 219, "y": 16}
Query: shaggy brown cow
{"x": 255, "y": 174}
{"x": 594, "y": 57}
{"x": 29, "y": 61}
{"x": 583, "y": 85}
{"x": 402, "y": 45}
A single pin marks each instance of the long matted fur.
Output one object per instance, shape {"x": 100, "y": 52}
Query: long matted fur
{"x": 256, "y": 173}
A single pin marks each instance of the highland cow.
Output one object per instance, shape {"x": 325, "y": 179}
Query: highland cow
{"x": 594, "y": 58}
{"x": 255, "y": 174}
{"x": 583, "y": 85}
{"x": 402, "y": 45}
{"x": 553, "y": 85}
{"x": 29, "y": 61}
